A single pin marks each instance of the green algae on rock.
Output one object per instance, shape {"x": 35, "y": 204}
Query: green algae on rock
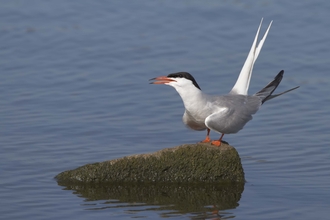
{"x": 186, "y": 163}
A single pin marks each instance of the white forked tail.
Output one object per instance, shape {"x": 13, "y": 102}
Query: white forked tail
{"x": 242, "y": 84}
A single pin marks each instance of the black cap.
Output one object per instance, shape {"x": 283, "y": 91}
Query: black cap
{"x": 184, "y": 75}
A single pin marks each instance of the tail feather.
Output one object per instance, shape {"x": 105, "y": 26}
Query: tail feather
{"x": 274, "y": 96}
{"x": 266, "y": 93}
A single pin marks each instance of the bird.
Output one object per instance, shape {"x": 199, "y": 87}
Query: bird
{"x": 224, "y": 114}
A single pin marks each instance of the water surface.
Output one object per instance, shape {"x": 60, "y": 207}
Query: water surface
{"x": 74, "y": 90}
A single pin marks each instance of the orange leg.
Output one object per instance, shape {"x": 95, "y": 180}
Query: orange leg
{"x": 218, "y": 142}
{"x": 207, "y": 139}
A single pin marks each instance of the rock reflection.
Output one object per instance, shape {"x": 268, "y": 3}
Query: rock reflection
{"x": 168, "y": 200}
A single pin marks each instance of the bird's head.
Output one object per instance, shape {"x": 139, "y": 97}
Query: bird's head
{"x": 177, "y": 80}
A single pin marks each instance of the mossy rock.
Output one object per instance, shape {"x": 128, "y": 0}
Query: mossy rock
{"x": 186, "y": 163}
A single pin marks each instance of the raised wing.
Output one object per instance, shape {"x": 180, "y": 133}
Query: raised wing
{"x": 242, "y": 84}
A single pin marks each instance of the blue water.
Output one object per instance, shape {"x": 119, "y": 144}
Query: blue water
{"x": 74, "y": 90}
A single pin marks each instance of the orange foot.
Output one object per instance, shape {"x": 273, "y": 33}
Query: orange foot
{"x": 207, "y": 140}
{"x": 216, "y": 143}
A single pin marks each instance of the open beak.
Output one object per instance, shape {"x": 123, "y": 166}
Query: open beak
{"x": 161, "y": 80}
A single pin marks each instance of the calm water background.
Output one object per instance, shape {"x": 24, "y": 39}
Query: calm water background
{"x": 74, "y": 90}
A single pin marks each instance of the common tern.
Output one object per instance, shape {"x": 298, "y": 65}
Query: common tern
{"x": 228, "y": 113}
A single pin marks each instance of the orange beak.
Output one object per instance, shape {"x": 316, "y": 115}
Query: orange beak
{"x": 162, "y": 80}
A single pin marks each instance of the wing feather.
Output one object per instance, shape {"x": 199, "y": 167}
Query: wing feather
{"x": 243, "y": 81}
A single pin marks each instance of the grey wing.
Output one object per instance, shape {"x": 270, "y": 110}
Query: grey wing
{"x": 234, "y": 116}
